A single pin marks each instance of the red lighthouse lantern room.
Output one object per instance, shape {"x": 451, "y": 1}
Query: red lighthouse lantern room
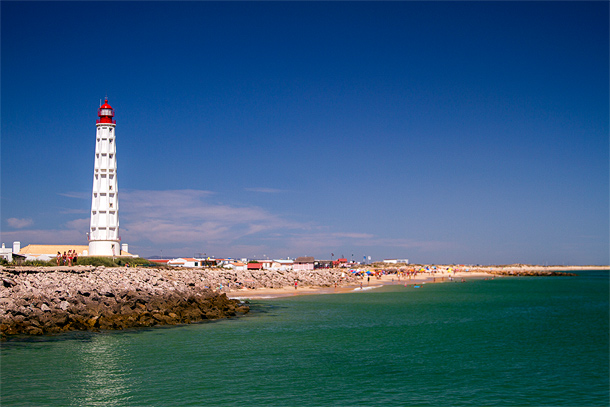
{"x": 105, "y": 113}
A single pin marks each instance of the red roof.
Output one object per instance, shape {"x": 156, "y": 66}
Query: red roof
{"x": 255, "y": 266}
{"x": 105, "y": 105}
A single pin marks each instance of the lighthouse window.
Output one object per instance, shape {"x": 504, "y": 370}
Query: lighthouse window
{"x": 111, "y": 155}
{"x": 110, "y": 188}
{"x": 111, "y": 204}
{"x": 111, "y": 129}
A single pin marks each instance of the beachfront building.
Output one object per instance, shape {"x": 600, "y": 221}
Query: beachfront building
{"x": 255, "y": 266}
{"x": 45, "y": 252}
{"x": 303, "y": 263}
{"x": 282, "y": 265}
{"x": 266, "y": 263}
{"x": 235, "y": 265}
{"x": 193, "y": 262}
{"x": 323, "y": 264}
{"x": 104, "y": 237}
{"x": 6, "y": 253}
{"x": 340, "y": 263}
{"x": 184, "y": 262}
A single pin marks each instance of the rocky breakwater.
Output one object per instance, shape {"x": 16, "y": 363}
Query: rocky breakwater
{"x": 531, "y": 273}
{"x": 526, "y": 271}
{"x": 36, "y": 301}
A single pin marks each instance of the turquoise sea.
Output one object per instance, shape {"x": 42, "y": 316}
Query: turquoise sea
{"x": 532, "y": 341}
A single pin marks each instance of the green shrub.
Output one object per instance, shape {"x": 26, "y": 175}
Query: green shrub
{"x": 37, "y": 263}
{"x": 89, "y": 261}
{"x": 114, "y": 262}
{"x": 139, "y": 261}
{"x": 95, "y": 261}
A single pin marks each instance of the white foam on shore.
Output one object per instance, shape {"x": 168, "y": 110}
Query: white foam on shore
{"x": 367, "y": 288}
{"x": 258, "y": 297}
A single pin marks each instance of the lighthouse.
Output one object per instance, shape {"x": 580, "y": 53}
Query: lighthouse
{"x": 104, "y": 237}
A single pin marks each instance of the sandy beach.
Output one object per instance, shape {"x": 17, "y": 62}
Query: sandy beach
{"x": 362, "y": 284}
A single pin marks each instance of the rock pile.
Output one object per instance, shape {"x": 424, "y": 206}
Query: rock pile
{"x": 36, "y": 302}
{"x": 45, "y": 300}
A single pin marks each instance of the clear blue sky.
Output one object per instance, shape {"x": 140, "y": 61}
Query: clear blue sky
{"x": 472, "y": 132}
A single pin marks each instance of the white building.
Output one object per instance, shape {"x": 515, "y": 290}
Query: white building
{"x": 104, "y": 227}
{"x": 235, "y": 265}
{"x": 7, "y": 253}
{"x": 185, "y": 262}
{"x": 303, "y": 263}
{"x": 282, "y": 265}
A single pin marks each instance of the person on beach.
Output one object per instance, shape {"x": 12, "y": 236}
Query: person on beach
{"x": 58, "y": 258}
{"x": 296, "y": 283}
{"x": 64, "y": 258}
{"x": 70, "y": 257}
{"x": 75, "y": 257}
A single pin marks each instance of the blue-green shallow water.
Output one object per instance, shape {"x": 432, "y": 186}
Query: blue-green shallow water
{"x": 508, "y": 341}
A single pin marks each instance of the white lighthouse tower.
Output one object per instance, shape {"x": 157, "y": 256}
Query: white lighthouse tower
{"x": 104, "y": 232}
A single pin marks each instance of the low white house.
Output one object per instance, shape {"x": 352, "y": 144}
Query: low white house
{"x": 235, "y": 265}
{"x": 282, "y": 265}
{"x": 184, "y": 262}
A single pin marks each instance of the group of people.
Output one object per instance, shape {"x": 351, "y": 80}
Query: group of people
{"x": 67, "y": 259}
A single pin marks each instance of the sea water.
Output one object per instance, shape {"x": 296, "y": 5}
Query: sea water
{"x": 531, "y": 341}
